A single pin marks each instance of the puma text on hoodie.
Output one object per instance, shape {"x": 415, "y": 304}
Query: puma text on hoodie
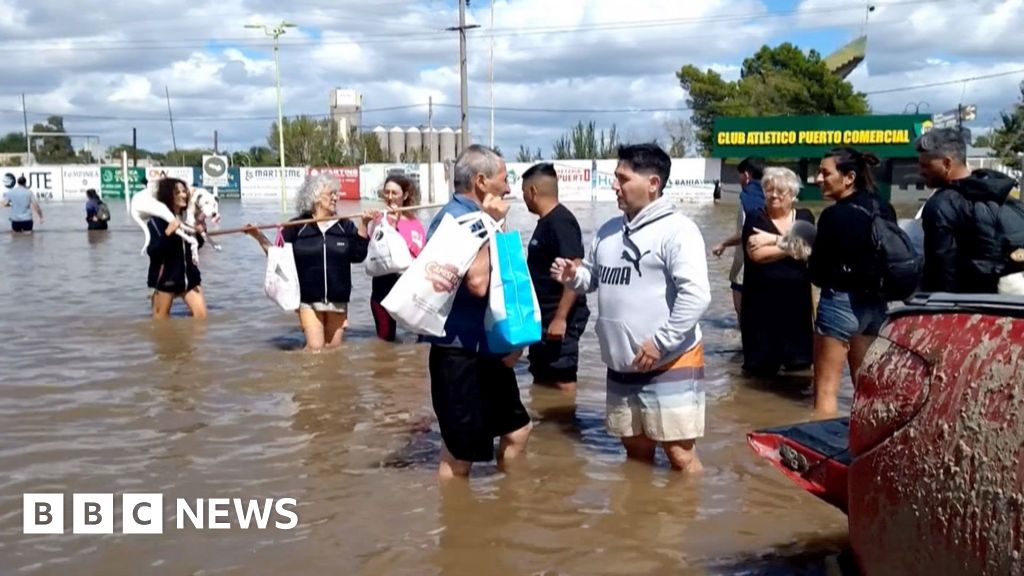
{"x": 651, "y": 278}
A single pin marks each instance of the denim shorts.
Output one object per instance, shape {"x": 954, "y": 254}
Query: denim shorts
{"x": 842, "y": 315}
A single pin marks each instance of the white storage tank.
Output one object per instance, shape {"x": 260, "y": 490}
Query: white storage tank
{"x": 414, "y": 143}
{"x": 396, "y": 143}
{"x": 382, "y": 137}
{"x": 430, "y": 142}
{"x": 447, "y": 144}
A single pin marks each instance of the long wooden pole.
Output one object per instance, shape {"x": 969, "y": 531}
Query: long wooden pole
{"x": 314, "y": 220}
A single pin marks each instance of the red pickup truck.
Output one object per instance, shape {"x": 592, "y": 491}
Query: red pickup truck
{"x": 930, "y": 465}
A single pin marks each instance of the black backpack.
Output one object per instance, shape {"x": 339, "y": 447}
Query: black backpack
{"x": 898, "y": 267}
{"x": 102, "y": 212}
{"x": 998, "y": 232}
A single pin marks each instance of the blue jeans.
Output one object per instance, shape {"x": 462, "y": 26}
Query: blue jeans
{"x": 843, "y": 315}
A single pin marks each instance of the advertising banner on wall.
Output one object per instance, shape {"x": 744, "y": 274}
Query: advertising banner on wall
{"x": 264, "y": 184}
{"x": 183, "y": 173}
{"x": 45, "y": 182}
{"x": 691, "y": 181}
{"x": 233, "y": 190}
{"x": 575, "y": 179}
{"x": 349, "y": 178}
{"x": 112, "y": 183}
{"x": 78, "y": 179}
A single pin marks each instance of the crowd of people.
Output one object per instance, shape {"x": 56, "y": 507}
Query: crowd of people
{"x": 808, "y": 293}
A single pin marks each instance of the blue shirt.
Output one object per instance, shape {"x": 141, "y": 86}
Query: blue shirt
{"x": 21, "y": 204}
{"x": 465, "y": 326}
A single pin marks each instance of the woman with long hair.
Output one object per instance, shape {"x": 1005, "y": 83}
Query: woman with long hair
{"x": 324, "y": 254}
{"x": 172, "y": 269}
{"x": 398, "y": 192}
{"x": 843, "y": 264}
{"x": 96, "y": 212}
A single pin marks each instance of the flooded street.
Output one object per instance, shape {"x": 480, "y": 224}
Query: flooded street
{"x": 96, "y": 398}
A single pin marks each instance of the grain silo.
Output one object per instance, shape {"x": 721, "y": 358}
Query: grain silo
{"x": 396, "y": 143}
{"x": 430, "y": 142}
{"x": 458, "y": 141}
{"x": 414, "y": 144}
{"x": 446, "y": 140}
{"x": 382, "y": 138}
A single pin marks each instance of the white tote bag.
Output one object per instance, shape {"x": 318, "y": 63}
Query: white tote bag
{"x": 388, "y": 253}
{"x": 422, "y": 298}
{"x": 282, "y": 280}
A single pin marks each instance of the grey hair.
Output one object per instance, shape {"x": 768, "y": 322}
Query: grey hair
{"x": 476, "y": 159}
{"x": 943, "y": 143}
{"x": 309, "y": 194}
{"x": 780, "y": 178}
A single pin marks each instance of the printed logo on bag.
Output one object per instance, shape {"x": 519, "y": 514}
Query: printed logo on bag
{"x": 444, "y": 277}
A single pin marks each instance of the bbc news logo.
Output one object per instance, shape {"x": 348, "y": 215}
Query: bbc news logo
{"x": 144, "y": 513}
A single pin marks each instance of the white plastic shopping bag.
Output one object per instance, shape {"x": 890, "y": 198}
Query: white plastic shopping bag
{"x": 422, "y": 298}
{"x": 282, "y": 280}
{"x": 388, "y": 253}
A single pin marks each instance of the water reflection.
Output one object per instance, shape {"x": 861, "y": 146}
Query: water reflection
{"x": 97, "y": 397}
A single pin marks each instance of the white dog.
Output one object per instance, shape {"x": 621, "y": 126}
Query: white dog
{"x": 144, "y": 206}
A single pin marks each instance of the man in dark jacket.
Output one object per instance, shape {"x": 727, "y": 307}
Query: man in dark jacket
{"x": 962, "y": 252}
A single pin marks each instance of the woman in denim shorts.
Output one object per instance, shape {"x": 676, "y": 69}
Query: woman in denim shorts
{"x": 842, "y": 264}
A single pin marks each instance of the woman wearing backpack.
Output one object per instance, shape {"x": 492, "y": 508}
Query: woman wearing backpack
{"x": 843, "y": 264}
{"x": 96, "y": 212}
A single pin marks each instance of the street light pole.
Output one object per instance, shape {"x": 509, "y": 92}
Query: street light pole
{"x": 461, "y": 28}
{"x": 276, "y": 33}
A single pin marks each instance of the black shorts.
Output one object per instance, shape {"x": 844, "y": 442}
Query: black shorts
{"x": 476, "y": 399}
{"x": 22, "y": 226}
{"x": 554, "y": 361}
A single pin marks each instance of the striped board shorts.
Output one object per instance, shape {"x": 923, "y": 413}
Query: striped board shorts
{"x": 665, "y": 405}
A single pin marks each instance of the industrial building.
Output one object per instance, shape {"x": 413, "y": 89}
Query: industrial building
{"x": 399, "y": 143}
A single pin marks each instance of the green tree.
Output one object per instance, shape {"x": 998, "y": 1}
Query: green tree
{"x": 774, "y": 81}
{"x": 681, "y": 138}
{"x": 524, "y": 155}
{"x": 186, "y": 157}
{"x": 12, "y": 143}
{"x": 1008, "y": 139}
{"x": 254, "y": 157}
{"x": 114, "y": 153}
{"x": 53, "y": 149}
{"x": 983, "y": 141}
{"x": 582, "y": 141}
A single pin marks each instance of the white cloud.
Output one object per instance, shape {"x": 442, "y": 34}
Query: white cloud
{"x": 569, "y": 54}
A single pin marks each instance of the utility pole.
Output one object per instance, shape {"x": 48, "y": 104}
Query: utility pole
{"x": 135, "y": 149}
{"x": 170, "y": 117}
{"x": 491, "y": 74}
{"x": 28, "y": 141}
{"x": 276, "y": 33}
{"x": 215, "y": 142}
{"x": 462, "y": 27}
{"x": 431, "y": 137}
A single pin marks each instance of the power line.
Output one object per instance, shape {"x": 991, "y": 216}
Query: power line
{"x": 946, "y": 82}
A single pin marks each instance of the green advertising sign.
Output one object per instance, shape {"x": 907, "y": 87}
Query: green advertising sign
{"x": 112, "y": 182}
{"x": 812, "y": 136}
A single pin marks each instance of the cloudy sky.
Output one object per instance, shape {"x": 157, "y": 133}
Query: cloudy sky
{"x": 104, "y": 64}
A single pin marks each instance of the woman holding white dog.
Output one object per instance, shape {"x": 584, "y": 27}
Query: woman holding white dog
{"x": 776, "y": 318}
{"x": 172, "y": 269}
{"x": 398, "y": 192}
{"x": 324, "y": 254}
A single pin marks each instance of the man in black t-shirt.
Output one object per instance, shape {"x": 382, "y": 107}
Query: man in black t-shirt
{"x": 564, "y": 314}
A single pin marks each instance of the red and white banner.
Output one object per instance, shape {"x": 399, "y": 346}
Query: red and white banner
{"x": 349, "y": 178}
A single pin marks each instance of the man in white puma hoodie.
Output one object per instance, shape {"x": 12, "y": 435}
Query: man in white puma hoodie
{"x": 650, "y": 273}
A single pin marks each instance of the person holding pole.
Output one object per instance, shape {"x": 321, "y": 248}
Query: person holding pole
{"x": 324, "y": 253}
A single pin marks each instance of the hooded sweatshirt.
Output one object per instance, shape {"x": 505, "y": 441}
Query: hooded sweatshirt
{"x": 961, "y": 247}
{"x": 651, "y": 278}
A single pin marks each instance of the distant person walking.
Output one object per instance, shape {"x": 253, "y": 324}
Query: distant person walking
{"x": 22, "y": 204}
{"x": 97, "y": 214}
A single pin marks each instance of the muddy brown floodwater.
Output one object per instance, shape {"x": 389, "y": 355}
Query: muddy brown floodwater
{"x": 97, "y": 399}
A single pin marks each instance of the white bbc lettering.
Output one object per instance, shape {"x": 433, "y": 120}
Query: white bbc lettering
{"x": 218, "y": 509}
{"x": 42, "y": 513}
{"x": 92, "y": 514}
{"x": 195, "y": 516}
{"x": 142, "y": 513}
{"x": 281, "y": 507}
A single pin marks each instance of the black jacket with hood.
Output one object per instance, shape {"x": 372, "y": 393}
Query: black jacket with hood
{"x": 961, "y": 250}
{"x": 324, "y": 260}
